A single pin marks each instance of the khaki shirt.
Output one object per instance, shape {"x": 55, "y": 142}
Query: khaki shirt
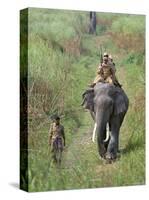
{"x": 56, "y": 131}
{"x": 105, "y": 70}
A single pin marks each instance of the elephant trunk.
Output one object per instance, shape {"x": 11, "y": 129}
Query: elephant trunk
{"x": 100, "y": 138}
{"x": 102, "y": 132}
{"x": 102, "y": 127}
{"x": 107, "y": 133}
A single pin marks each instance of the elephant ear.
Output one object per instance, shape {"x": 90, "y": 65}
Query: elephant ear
{"x": 87, "y": 91}
{"x": 120, "y": 103}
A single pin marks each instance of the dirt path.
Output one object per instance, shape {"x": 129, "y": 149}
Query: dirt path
{"x": 80, "y": 143}
{"x": 81, "y": 158}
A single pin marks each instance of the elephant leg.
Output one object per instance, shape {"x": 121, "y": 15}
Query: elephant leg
{"x": 112, "y": 148}
{"x": 114, "y": 140}
{"x": 102, "y": 150}
{"x": 107, "y": 143}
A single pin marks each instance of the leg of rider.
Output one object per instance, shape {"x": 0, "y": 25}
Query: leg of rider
{"x": 97, "y": 79}
{"x": 109, "y": 80}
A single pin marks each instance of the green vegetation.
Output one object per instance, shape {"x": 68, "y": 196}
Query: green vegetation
{"x": 128, "y": 32}
{"x": 63, "y": 59}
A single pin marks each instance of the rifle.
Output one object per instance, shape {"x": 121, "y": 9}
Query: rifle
{"x": 101, "y": 56}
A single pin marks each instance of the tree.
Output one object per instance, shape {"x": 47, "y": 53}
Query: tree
{"x": 92, "y": 25}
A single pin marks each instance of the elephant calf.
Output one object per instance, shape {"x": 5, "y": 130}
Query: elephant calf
{"x": 108, "y": 105}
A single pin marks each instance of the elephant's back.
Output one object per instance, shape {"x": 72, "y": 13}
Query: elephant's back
{"x": 104, "y": 88}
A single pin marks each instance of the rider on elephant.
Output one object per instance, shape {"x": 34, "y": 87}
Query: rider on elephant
{"x": 110, "y": 61}
{"x": 56, "y": 135}
{"x": 106, "y": 72}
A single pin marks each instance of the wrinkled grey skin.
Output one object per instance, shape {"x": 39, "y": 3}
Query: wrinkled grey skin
{"x": 107, "y": 104}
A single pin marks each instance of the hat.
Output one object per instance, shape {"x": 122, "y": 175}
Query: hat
{"x": 105, "y": 54}
{"x": 55, "y": 117}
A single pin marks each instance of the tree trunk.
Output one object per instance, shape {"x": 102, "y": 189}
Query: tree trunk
{"x": 92, "y": 25}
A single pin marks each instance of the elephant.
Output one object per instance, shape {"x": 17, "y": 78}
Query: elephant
{"x": 108, "y": 105}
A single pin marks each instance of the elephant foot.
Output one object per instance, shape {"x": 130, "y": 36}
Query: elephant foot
{"x": 102, "y": 151}
{"x": 102, "y": 158}
{"x": 109, "y": 161}
{"x": 110, "y": 158}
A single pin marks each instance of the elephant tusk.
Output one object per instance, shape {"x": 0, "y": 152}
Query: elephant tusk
{"x": 107, "y": 133}
{"x": 94, "y": 132}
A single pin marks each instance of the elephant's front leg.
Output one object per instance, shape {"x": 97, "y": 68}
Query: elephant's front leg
{"x": 112, "y": 147}
{"x": 114, "y": 141}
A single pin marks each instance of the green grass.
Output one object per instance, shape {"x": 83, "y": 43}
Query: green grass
{"x": 59, "y": 72}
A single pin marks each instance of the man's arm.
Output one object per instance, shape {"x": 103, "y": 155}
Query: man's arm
{"x": 113, "y": 74}
{"x": 99, "y": 70}
{"x": 112, "y": 64}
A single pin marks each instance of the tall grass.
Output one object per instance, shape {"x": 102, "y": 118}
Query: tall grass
{"x": 129, "y": 33}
